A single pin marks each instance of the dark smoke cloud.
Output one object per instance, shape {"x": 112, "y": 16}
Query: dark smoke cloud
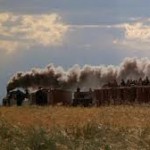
{"x": 86, "y": 76}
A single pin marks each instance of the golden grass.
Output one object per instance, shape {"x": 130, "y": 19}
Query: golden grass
{"x": 47, "y": 117}
{"x": 68, "y": 128}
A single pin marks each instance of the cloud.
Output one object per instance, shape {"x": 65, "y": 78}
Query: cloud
{"x": 87, "y": 26}
{"x": 29, "y": 30}
{"x": 137, "y": 31}
{"x": 8, "y": 45}
{"x": 135, "y": 35}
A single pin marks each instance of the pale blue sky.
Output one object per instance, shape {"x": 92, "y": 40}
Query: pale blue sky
{"x": 94, "y": 32}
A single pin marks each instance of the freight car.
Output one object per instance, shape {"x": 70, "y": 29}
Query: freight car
{"x": 122, "y": 95}
{"x": 56, "y": 96}
{"x": 51, "y": 97}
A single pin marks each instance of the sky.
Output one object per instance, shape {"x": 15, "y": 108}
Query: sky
{"x": 35, "y": 33}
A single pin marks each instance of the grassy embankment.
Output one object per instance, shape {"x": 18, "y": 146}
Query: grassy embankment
{"x": 41, "y": 128}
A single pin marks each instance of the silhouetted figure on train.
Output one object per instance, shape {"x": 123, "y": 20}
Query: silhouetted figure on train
{"x": 122, "y": 83}
{"x": 146, "y": 81}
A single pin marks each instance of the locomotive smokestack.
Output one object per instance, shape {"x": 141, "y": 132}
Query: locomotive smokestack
{"x": 86, "y": 76}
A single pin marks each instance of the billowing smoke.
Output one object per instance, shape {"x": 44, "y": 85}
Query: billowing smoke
{"x": 86, "y": 76}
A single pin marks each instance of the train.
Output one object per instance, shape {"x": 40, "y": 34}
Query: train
{"x": 97, "y": 97}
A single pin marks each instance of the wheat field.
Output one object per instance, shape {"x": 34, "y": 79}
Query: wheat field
{"x": 107, "y": 127}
